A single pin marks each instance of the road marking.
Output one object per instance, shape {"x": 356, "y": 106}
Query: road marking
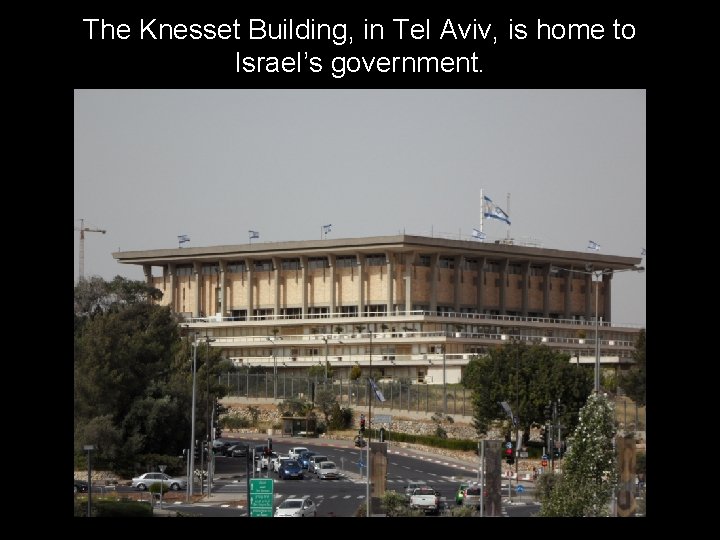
{"x": 333, "y": 497}
{"x": 224, "y": 506}
{"x": 361, "y": 496}
{"x": 347, "y": 496}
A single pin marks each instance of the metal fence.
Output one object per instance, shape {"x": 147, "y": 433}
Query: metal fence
{"x": 399, "y": 395}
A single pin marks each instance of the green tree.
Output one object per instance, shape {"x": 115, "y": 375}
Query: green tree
{"x": 528, "y": 378}
{"x": 590, "y": 469}
{"x": 633, "y": 381}
{"x": 325, "y": 399}
{"x": 355, "y": 373}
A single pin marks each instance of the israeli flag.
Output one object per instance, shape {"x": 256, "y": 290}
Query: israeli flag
{"x": 326, "y": 228}
{"x": 593, "y": 245}
{"x": 376, "y": 390}
{"x": 492, "y": 210}
{"x": 254, "y": 234}
{"x": 478, "y": 234}
{"x": 183, "y": 238}
{"x": 642, "y": 252}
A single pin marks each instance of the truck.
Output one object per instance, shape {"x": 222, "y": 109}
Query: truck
{"x": 425, "y": 499}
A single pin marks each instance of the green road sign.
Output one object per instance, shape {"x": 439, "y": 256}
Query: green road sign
{"x": 261, "y": 497}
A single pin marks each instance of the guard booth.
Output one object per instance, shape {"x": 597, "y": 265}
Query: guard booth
{"x": 298, "y": 426}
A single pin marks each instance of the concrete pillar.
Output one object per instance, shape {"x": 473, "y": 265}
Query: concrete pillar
{"x": 568, "y": 294}
{"x": 303, "y": 285}
{"x": 147, "y": 270}
{"x": 197, "y": 269}
{"x": 589, "y": 297}
{"x": 333, "y": 288}
{"x": 249, "y": 268}
{"x": 361, "y": 289}
{"x": 390, "y": 259}
{"x": 409, "y": 262}
{"x": 458, "y": 274}
{"x": 526, "y": 288}
{"x": 503, "y": 284}
{"x": 480, "y": 284}
{"x": 223, "y": 299}
{"x": 546, "y": 290}
{"x": 171, "y": 277}
{"x": 433, "y": 281}
{"x": 276, "y": 276}
{"x": 607, "y": 298}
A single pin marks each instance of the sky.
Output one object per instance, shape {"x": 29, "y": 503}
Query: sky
{"x": 151, "y": 165}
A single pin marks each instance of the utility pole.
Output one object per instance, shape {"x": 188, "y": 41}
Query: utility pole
{"x": 83, "y": 229}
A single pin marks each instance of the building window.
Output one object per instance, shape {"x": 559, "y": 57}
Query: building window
{"x": 262, "y": 314}
{"x": 263, "y": 266}
{"x": 492, "y": 266}
{"x": 470, "y": 264}
{"x": 210, "y": 269}
{"x": 318, "y": 312}
{"x": 536, "y": 271}
{"x": 376, "y": 260}
{"x": 446, "y": 262}
{"x": 238, "y": 314}
{"x": 290, "y": 264}
{"x": 317, "y": 262}
{"x": 346, "y": 261}
{"x": 183, "y": 270}
{"x": 375, "y": 310}
{"x": 349, "y": 311}
{"x": 515, "y": 269}
{"x": 423, "y": 260}
{"x": 291, "y": 313}
{"x": 236, "y": 267}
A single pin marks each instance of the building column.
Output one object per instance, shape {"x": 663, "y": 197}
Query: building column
{"x": 589, "y": 297}
{"x": 480, "y": 284}
{"x": 170, "y": 273}
{"x": 147, "y": 270}
{"x": 433, "y": 281}
{"x": 303, "y": 285}
{"x": 607, "y": 297}
{"x": 546, "y": 290}
{"x": 223, "y": 299}
{"x": 276, "y": 274}
{"x": 249, "y": 268}
{"x": 390, "y": 259}
{"x": 526, "y": 288}
{"x": 409, "y": 262}
{"x": 568, "y": 293}
{"x": 503, "y": 284}
{"x": 197, "y": 269}
{"x": 361, "y": 290}
{"x": 456, "y": 292}
{"x": 333, "y": 290}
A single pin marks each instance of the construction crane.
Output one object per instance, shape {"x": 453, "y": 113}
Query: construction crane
{"x": 83, "y": 229}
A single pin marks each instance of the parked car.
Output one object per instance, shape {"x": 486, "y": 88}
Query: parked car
{"x": 144, "y": 481}
{"x": 304, "y": 459}
{"x": 81, "y": 486}
{"x": 302, "y": 507}
{"x": 295, "y": 452}
{"x": 327, "y": 469}
{"x": 290, "y": 468}
{"x": 239, "y": 450}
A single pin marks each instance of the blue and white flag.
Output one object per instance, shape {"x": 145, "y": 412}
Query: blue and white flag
{"x": 492, "y": 210}
{"x": 642, "y": 252}
{"x": 593, "y": 245}
{"x": 182, "y": 238}
{"x": 479, "y": 234}
{"x": 326, "y": 228}
{"x": 254, "y": 234}
{"x": 378, "y": 393}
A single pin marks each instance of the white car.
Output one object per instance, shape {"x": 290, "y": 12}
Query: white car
{"x": 275, "y": 461}
{"x": 314, "y": 461}
{"x": 327, "y": 469}
{"x": 295, "y": 452}
{"x": 302, "y": 507}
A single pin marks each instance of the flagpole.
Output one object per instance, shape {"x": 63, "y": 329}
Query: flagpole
{"x": 508, "y": 213}
{"x": 482, "y": 204}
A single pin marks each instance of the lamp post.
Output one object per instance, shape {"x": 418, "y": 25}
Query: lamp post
{"x": 89, "y": 448}
{"x": 162, "y": 483}
{"x": 597, "y": 276}
{"x": 273, "y": 340}
{"x": 191, "y": 480}
{"x": 325, "y": 339}
{"x": 444, "y": 382}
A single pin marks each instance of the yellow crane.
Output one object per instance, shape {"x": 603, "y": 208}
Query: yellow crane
{"x": 83, "y": 229}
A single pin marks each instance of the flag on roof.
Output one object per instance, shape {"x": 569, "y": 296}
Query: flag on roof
{"x": 492, "y": 210}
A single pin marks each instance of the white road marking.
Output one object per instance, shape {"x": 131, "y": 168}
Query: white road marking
{"x": 347, "y": 496}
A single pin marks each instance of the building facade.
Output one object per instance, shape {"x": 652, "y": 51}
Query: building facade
{"x": 411, "y": 306}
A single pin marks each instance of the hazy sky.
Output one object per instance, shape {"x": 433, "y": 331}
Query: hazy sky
{"x": 154, "y": 164}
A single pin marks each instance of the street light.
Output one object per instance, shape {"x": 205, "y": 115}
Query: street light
{"x": 89, "y": 448}
{"x": 191, "y": 480}
{"x": 597, "y": 276}
{"x": 162, "y": 483}
{"x": 273, "y": 340}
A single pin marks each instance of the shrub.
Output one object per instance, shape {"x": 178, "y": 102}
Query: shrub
{"x": 122, "y": 509}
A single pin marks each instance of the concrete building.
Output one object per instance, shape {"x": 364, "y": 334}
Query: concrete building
{"x": 410, "y": 304}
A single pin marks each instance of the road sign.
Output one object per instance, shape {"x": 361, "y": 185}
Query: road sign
{"x": 382, "y": 418}
{"x": 261, "y": 497}
{"x": 520, "y": 489}
{"x": 545, "y": 457}
{"x": 522, "y": 454}
{"x": 508, "y": 444}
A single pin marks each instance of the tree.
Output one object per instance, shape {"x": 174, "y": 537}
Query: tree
{"x": 355, "y": 373}
{"x": 324, "y": 400}
{"x": 633, "y": 382}
{"x": 528, "y": 378}
{"x": 590, "y": 469}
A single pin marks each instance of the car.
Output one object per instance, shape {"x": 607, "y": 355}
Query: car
{"x": 81, "y": 486}
{"x": 144, "y": 481}
{"x": 290, "y": 468}
{"x": 295, "y": 452}
{"x": 471, "y": 496}
{"x": 315, "y": 461}
{"x": 239, "y": 450}
{"x": 302, "y": 507}
{"x": 412, "y": 486}
{"x": 327, "y": 469}
{"x": 304, "y": 458}
{"x": 275, "y": 460}
{"x": 460, "y": 493}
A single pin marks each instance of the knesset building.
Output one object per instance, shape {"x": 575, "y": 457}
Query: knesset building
{"x": 407, "y": 303}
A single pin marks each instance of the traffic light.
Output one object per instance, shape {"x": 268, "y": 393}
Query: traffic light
{"x": 509, "y": 456}
{"x": 362, "y": 423}
{"x": 269, "y": 445}
{"x": 218, "y": 432}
